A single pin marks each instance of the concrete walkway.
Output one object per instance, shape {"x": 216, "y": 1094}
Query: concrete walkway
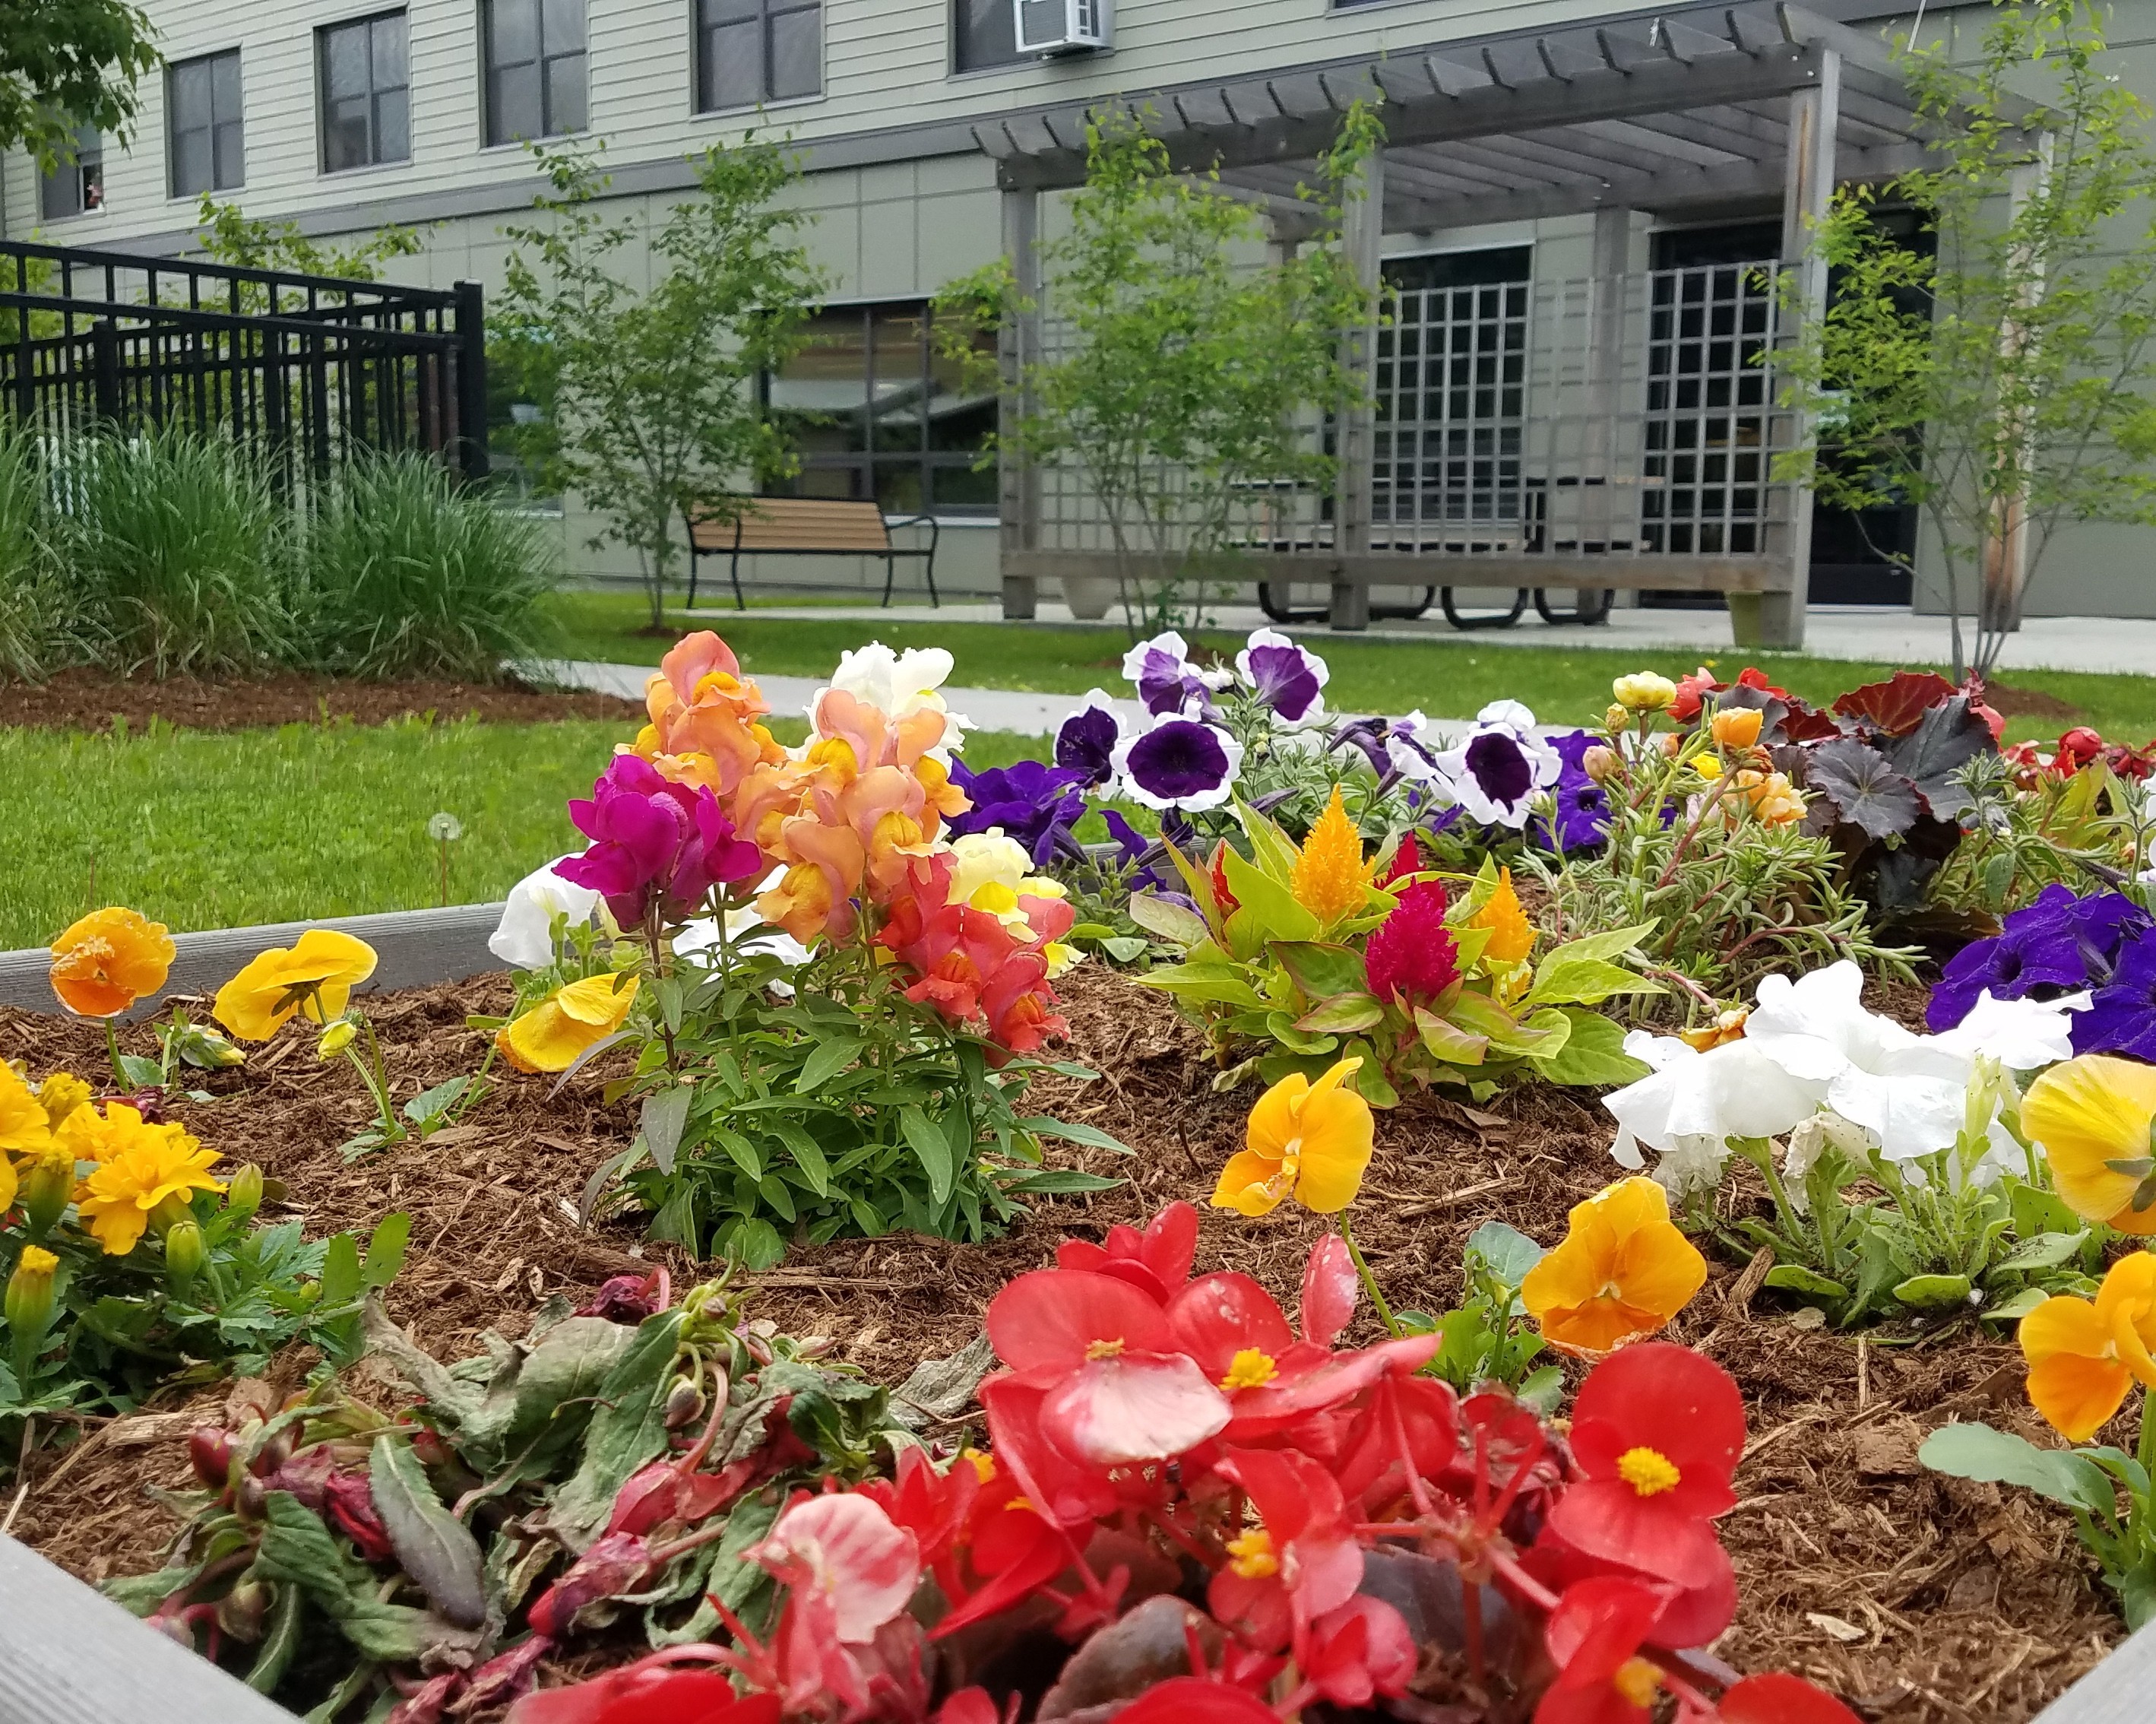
{"x": 1013, "y": 709}
{"x": 2124, "y": 644}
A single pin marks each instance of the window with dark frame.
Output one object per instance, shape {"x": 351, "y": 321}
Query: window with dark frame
{"x": 877, "y": 412}
{"x": 76, "y": 186}
{"x": 984, "y": 33}
{"x": 534, "y": 52}
{"x": 753, "y": 51}
{"x": 365, "y": 92}
{"x": 206, "y": 147}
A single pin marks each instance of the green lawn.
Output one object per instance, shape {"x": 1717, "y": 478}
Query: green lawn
{"x": 1444, "y": 678}
{"x": 200, "y": 830}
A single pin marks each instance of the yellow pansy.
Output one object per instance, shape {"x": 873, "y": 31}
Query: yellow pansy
{"x": 2084, "y": 1356}
{"x": 2091, "y": 1117}
{"x": 1309, "y": 1140}
{"x": 551, "y": 1036}
{"x": 1622, "y": 1271}
{"x": 316, "y": 974}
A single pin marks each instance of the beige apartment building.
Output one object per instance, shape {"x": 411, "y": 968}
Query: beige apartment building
{"x": 1567, "y": 206}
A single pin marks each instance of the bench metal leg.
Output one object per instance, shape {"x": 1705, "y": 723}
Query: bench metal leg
{"x": 1021, "y": 597}
{"x": 890, "y": 576}
{"x": 692, "y": 577}
{"x": 1351, "y": 605}
{"x": 928, "y": 569}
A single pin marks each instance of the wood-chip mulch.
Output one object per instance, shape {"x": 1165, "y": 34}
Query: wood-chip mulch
{"x": 1920, "y": 1599}
{"x": 92, "y": 700}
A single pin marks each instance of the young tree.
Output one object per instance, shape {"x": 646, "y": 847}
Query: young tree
{"x": 65, "y": 63}
{"x": 654, "y": 389}
{"x": 231, "y": 236}
{"x": 1184, "y": 378}
{"x": 2000, "y": 379}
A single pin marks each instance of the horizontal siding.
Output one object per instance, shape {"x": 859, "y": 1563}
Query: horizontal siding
{"x": 885, "y": 64}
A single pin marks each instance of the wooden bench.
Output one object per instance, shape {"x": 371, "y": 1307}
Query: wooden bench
{"x": 806, "y": 527}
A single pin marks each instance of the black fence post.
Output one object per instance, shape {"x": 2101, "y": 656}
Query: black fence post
{"x": 471, "y": 380}
{"x": 104, "y": 369}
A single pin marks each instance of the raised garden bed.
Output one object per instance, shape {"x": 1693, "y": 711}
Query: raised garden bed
{"x": 1916, "y": 1597}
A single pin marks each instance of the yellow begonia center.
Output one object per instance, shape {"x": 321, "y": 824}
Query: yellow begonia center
{"x": 1105, "y": 1349}
{"x": 1251, "y": 1555}
{"x": 984, "y": 1466}
{"x": 1648, "y": 1471}
{"x": 1022, "y": 1505}
{"x": 1638, "y": 1681}
{"x": 1249, "y": 1369}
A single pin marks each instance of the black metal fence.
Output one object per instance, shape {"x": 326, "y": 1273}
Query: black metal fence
{"x": 308, "y": 369}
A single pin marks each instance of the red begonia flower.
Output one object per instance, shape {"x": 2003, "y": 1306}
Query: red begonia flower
{"x": 1193, "y": 1699}
{"x": 1301, "y": 1560}
{"x": 934, "y": 1506}
{"x": 1594, "y": 1637}
{"x": 1778, "y": 1699}
{"x": 648, "y": 1692}
{"x": 1358, "y": 1651}
{"x": 1691, "y": 1616}
{"x": 842, "y": 1550}
{"x": 1423, "y": 1410}
{"x": 1658, "y": 1430}
{"x": 1157, "y": 1260}
{"x": 1330, "y": 1286}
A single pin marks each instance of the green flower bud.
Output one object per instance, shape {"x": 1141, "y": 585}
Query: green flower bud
{"x": 243, "y": 1194}
{"x": 47, "y": 1183}
{"x": 29, "y": 1301}
{"x": 186, "y": 1251}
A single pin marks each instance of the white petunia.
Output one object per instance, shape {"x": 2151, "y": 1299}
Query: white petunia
{"x": 1694, "y": 1102}
{"x": 2022, "y": 1035}
{"x": 524, "y": 938}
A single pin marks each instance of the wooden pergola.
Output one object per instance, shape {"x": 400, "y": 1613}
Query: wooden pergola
{"x": 1693, "y": 112}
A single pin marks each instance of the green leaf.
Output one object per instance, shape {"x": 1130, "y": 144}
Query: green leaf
{"x": 666, "y": 1115}
{"x": 428, "y": 1105}
{"x": 1270, "y": 908}
{"x": 1542, "y": 1391}
{"x": 1449, "y": 1041}
{"x": 1125, "y": 949}
{"x": 808, "y": 1154}
{"x": 1343, "y": 1015}
{"x": 1209, "y": 984}
{"x": 2136, "y": 1595}
{"x": 627, "y": 1427}
{"x": 1591, "y": 947}
{"x": 341, "y": 1281}
{"x": 1976, "y": 1451}
{"x": 1933, "y": 1293}
{"x": 143, "y": 1073}
{"x": 280, "y": 1640}
{"x": 1593, "y": 1054}
{"x": 1175, "y": 923}
{"x": 1320, "y": 971}
{"x": 825, "y": 1061}
{"x": 1795, "y": 1278}
{"x": 1058, "y": 1181}
{"x": 1069, "y": 1131}
{"x": 385, "y": 1251}
{"x": 932, "y": 1149}
{"x": 1509, "y": 1253}
{"x": 2012, "y": 1310}
{"x": 1584, "y": 981}
{"x": 2046, "y": 1250}
{"x": 1282, "y": 1029}
{"x": 436, "y": 1548}
{"x": 298, "y": 1550}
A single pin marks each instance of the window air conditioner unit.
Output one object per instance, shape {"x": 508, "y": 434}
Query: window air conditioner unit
{"x": 1064, "y": 26}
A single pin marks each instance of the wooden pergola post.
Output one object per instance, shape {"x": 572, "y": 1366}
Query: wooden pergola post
{"x": 1362, "y": 238}
{"x": 1807, "y": 195}
{"x": 1017, "y": 345}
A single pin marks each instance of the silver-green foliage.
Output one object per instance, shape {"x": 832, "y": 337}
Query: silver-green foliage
{"x": 401, "y": 570}
{"x": 38, "y": 626}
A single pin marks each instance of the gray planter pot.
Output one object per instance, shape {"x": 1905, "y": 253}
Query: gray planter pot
{"x": 1089, "y": 595}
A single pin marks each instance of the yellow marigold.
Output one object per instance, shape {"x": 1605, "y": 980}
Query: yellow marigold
{"x": 1622, "y": 1271}
{"x": 551, "y": 1036}
{"x": 108, "y": 960}
{"x": 60, "y": 1095}
{"x": 1330, "y": 879}
{"x": 315, "y": 974}
{"x": 116, "y": 1201}
{"x": 1511, "y": 935}
{"x": 24, "y": 1129}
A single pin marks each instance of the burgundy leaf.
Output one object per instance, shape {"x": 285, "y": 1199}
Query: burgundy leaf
{"x": 1898, "y": 705}
{"x": 1865, "y": 787}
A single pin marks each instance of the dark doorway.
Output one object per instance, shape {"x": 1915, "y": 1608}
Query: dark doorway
{"x": 1851, "y": 553}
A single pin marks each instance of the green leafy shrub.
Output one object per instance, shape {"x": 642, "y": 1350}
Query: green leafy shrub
{"x": 38, "y": 629}
{"x": 403, "y": 571}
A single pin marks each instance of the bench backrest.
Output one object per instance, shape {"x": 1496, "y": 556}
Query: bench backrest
{"x": 798, "y": 523}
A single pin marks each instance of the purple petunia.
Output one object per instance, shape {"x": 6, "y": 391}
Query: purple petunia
{"x": 1165, "y": 680}
{"x": 1182, "y": 763}
{"x": 1286, "y": 678}
{"x": 658, "y": 848}
{"x": 1034, "y": 803}
{"x": 2060, "y": 943}
{"x": 1582, "y": 811}
{"x": 1085, "y": 743}
{"x": 1496, "y": 772}
{"x": 2121, "y": 1017}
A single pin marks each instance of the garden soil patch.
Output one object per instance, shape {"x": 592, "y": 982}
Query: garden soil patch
{"x": 1922, "y": 1599}
{"x": 94, "y": 700}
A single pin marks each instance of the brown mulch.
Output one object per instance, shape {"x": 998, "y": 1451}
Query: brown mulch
{"x": 1922, "y": 1599}
{"x": 2011, "y": 702}
{"x": 92, "y": 700}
